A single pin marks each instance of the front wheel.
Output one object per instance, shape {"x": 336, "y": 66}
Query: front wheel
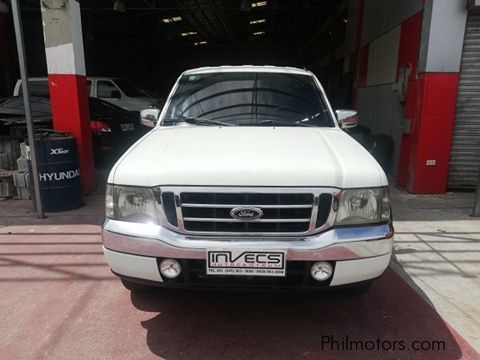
{"x": 136, "y": 287}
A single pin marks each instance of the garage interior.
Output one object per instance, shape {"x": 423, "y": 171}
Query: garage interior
{"x": 152, "y": 42}
{"x": 388, "y": 60}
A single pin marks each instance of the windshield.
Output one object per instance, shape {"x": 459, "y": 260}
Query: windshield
{"x": 129, "y": 89}
{"x": 249, "y": 99}
{"x": 36, "y": 88}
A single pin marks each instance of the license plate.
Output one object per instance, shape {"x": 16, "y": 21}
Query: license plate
{"x": 127, "y": 127}
{"x": 246, "y": 262}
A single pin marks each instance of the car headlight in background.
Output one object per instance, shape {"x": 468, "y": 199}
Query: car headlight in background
{"x": 130, "y": 203}
{"x": 363, "y": 206}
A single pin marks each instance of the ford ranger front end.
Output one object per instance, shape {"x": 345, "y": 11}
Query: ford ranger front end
{"x": 247, "y": 180}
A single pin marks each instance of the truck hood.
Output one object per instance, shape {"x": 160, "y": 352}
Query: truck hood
{"x": 248, "y": 156}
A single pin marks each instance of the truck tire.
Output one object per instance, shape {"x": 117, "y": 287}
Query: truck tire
{"x": 361, "y": 134}
{"x": 381, "y": 148}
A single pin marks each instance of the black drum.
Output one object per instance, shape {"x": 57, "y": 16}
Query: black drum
{"x": 58, "y": 171}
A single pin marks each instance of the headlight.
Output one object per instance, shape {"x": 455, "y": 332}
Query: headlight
{"x": 363, "y": 206}
{"x": 130, "y": 203}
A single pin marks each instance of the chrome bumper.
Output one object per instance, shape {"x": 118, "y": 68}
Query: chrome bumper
{"x": 335, "y": 244}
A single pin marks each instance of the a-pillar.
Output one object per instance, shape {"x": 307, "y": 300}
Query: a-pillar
{"x": 62, "y": 31}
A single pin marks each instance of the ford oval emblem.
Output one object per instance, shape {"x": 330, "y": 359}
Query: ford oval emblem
{"x": 246, "y": 213}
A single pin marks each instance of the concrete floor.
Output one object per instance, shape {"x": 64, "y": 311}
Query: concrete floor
{"x": 437, "y": 251}
{"x": 59, "y": 300}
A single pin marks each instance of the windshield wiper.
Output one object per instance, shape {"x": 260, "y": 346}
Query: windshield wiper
{"x": 199, "y": 121}
{"x": 312, "y": 117}
{"x": 278, "y": 122}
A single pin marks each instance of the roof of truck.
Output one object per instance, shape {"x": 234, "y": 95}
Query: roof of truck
{"x": 248, "y": 68}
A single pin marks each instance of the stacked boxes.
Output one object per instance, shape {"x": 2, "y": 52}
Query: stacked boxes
{"x": 9, "y": 152}
{"x": 14, "y": 176}
{"x": 7, "y": 188}
{"x": 22, "y": 161}
{"x": 21, "y": 182}
{"x": 21, "y": 176}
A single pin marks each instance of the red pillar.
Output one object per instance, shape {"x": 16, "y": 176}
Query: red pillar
{"x": 434, "y": 55}
{"x": 431, "y": 134}
{"x": 62, "y": 30}
{"x": 430, "y": 110}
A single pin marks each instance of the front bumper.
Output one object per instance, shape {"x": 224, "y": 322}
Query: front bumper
{"x": 359, "y": 253}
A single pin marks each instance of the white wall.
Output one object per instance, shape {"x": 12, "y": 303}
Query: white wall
{"x": 442, "y": 35}
{"x": 383, "y": 58}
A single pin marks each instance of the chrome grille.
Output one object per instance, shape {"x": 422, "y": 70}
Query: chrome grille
{"x": 286, "y": 211}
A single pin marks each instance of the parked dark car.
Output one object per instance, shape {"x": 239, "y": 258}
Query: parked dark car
{"x": 113, "y": 128}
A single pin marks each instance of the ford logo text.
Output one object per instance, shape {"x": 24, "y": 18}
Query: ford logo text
{"x": 246, "y": 214}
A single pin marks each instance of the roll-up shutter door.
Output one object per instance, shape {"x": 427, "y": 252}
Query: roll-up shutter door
{"x": 465, "y": 152}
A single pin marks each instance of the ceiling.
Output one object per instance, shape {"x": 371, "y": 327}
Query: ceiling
{"x": 144, "y": 36}
{"x": 218, "y": 22}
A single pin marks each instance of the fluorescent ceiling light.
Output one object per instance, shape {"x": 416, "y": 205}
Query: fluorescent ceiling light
{"x": 189, "y": 33}
{"x": 201, "y": 43}
{"x": 119, "y": 5}
{"x": 258, "y": 21}
{"x": 172, "y": 19}
{"x": 256, "y": 33}
{"x": 259, "y": 4}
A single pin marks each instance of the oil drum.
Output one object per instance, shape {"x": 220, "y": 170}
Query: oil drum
{"x": 58, "y": 171}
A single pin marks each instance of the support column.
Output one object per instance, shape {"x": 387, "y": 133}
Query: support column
{"x": 425, "y": 169}
{"x": 62, "y": 31}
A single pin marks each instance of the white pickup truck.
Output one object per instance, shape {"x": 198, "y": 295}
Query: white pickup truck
{"x": 117, "y": 91}
{"x": 248, "y": 179}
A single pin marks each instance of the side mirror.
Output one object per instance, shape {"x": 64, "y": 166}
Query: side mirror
{"x": 115, "y": 94}
{"x": 149, "y": 117}
{"x": 347, "y": 118}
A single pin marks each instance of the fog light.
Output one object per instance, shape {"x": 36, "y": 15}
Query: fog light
{"x": 170, "y": 268}
{"x": 321, "y": 270}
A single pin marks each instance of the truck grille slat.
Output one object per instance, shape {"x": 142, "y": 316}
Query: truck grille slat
{"x": 230, "y": 206}
{"x": 241, "y": 228}
{"x": 251, "y": 221}
{"x": 244, "y": 199}
{"x": 286, "y": 211}
{"x": 268, "y": 213}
